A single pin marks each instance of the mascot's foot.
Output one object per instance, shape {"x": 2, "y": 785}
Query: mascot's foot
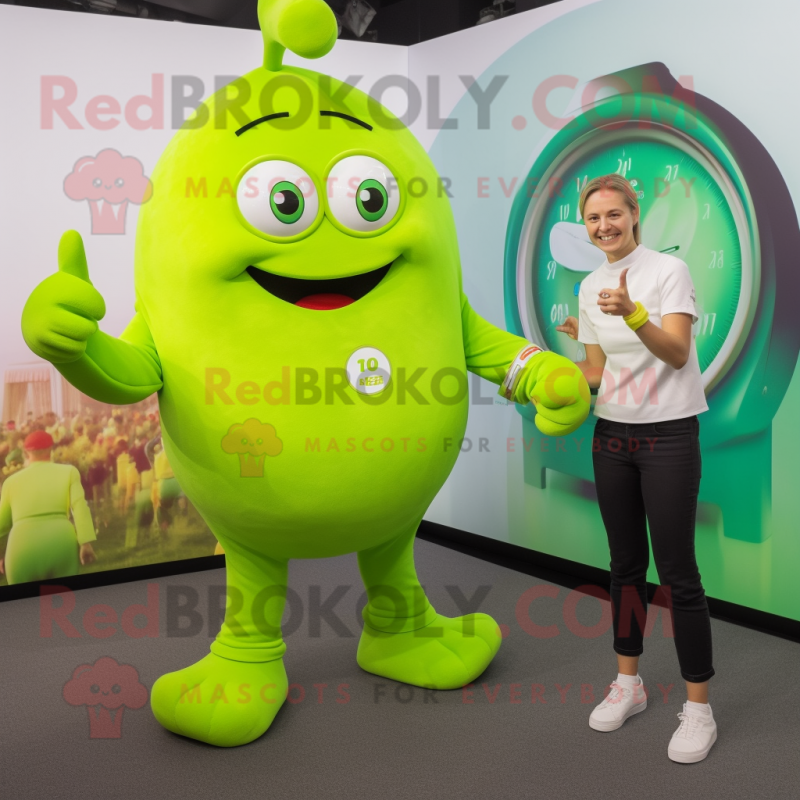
{"x": 219, "y": 701}
{"x": 446, "y": 654}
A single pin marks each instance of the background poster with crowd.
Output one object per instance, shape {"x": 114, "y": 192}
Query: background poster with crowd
{"x": 138, "y": 511}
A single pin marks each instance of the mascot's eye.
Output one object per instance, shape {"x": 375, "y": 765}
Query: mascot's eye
{"x": 372, "y": 200}
{"x": 363, "y": 194}
{"x": 287, "y": 202}
{"x": 278, "y": 198}
{"x": 119, "y": 183}
{"x": 94, "y": 689}
{"x": 116, "y": 688}
{"x": 97, "y": 182}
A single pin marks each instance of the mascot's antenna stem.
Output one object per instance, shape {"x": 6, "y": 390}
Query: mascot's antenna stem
{"x": 306, "y": 27}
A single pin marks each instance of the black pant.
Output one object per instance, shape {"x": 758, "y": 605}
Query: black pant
{"x": 650, "y": 473}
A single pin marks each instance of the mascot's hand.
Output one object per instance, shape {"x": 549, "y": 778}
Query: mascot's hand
{"x": 62, "y": 311}
{"x": 558, "y": 389}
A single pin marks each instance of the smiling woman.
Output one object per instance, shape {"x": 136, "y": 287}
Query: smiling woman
{"x": 651, "y": 387}
{"x": 610, "y": 211}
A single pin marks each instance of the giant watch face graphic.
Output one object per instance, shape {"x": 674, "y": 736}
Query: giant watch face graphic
{"x": 710, "y": 194}
{"x": 689, "y": 208}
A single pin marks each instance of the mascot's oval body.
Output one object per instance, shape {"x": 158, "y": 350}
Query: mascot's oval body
{"x": 354, "y": 469}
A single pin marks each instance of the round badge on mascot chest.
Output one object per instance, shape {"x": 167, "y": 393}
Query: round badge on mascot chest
{"x": 369, "y": 370}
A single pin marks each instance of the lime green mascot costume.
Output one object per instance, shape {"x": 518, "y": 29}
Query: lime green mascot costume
{"x": 299, "y": 310}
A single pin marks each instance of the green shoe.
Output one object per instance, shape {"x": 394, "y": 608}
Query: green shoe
{"x": 219, "y": 701}
{"x": 446, "y": 654}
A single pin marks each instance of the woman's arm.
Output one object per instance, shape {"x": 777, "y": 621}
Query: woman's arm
{"x": 592, "y": 368}
{"x": 672, "y": 342}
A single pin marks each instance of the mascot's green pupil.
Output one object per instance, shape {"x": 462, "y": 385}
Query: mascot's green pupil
{"x": 287, "y": 202}
{"x": 372, "y": 200}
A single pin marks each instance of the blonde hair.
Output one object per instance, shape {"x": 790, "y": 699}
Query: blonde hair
{"x": 614, "y": 183}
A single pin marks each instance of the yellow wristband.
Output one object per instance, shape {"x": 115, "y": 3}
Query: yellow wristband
{"x": 637, "y": 318}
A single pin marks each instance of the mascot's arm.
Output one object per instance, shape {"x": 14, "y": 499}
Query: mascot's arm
{"x": 489, "y": 351}
{"x": 59, "y": 324}
{"x": 117, "y": 371}
{"x": 554, "y": 383}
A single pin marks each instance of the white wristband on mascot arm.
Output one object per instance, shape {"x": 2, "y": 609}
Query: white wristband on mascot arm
{"x": 509, "y": 385}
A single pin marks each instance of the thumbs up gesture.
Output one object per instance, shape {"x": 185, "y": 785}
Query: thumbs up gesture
{"x": 617, "y": 302}
{"x": 62, "y": 311}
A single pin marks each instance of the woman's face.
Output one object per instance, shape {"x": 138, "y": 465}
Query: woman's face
{"x": 609, "y": 222}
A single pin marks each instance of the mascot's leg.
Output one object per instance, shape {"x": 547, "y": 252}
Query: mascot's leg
{"x": 404, "y": 638}
{"x": 231, "y": 696}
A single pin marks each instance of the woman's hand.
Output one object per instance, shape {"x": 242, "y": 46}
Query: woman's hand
{"x": 617, "y": 302}
{"x": 570, "y": 327}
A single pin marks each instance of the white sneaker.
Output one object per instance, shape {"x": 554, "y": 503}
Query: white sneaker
{"x": 622, "y": 702}
{"x": 694, "y": 737}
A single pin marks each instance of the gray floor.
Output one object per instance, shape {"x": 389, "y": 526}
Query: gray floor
{"x": 387, "y": 742}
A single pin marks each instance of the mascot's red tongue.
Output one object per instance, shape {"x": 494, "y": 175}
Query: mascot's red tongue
{"x": 325, "y": 302}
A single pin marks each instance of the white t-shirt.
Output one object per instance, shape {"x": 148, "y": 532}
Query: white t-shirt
{"x": 636, "y": 386}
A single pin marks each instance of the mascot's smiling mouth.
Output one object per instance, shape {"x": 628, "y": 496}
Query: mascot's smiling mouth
{"x": 319, "y": 294}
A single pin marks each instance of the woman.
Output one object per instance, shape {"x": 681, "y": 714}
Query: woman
{"x": 636, "y": 316}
